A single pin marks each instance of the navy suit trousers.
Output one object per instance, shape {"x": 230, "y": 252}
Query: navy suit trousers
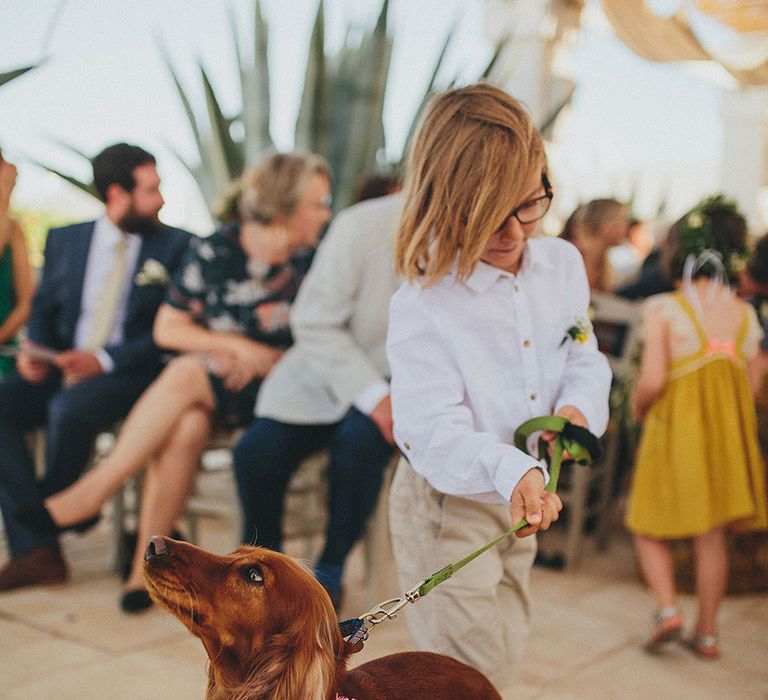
{"x": 271, "y": 451}
{"x": 73, "y": 417}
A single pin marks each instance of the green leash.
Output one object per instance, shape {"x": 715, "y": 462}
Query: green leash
{"x": 583, "y": 447}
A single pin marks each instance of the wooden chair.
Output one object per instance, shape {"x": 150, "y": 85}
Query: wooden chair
{"x": 305, "y": 511}
{"x": 587, "y": 494}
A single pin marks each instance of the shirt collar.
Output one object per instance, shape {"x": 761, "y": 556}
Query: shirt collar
{"x": 484, "y": 275}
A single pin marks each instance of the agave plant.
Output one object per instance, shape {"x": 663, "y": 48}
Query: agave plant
{"x": 340, "y": 114}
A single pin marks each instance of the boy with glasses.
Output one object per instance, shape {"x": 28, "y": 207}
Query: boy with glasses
{"x": 480, "y": 340}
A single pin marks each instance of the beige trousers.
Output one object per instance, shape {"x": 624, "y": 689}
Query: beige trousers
{"x": 481, "y": 614}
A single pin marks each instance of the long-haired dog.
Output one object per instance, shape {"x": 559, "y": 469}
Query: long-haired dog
{"x": 271, "y": 632}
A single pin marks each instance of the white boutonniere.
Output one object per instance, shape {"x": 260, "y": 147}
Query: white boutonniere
{"x": 152, "y": 272}
{"x": 579, "y": 331}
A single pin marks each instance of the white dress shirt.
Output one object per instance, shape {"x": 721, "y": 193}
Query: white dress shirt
{"x": 100, "y": 256}
{"x": 473, "y": 360}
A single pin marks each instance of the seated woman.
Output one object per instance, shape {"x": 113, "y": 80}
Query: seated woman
{"x": 594, "y": 228}
{"x": 227, "y": 311}
{"x": 16, "y": 286}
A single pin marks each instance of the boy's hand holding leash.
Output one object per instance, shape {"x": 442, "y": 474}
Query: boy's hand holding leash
{"x": 530, "y": 499}
{"x": 531, "y": 502}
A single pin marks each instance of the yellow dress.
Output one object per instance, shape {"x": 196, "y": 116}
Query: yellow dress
{"x": 699, "y": 465}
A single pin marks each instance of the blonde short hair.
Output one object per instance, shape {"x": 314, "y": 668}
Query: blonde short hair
{"x": 274, "y": 187}
{"x": 472, "y": 157}
{"x": 598, "y": 212}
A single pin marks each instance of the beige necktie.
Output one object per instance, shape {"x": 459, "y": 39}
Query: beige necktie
{"x": 109, "y": 297}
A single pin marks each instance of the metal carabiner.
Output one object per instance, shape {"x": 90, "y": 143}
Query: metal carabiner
{"x": 388, "y": 609}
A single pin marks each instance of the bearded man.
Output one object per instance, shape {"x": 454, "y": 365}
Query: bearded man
{"x": 89, "y": 352}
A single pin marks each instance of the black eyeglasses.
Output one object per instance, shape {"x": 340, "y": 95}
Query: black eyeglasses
{"x": 533, "y": 209}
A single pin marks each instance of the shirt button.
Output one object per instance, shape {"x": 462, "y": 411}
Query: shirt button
{"x": 526, "y": 343}
{"x": 533, "y": 396}
{"x": 406, "y": 446}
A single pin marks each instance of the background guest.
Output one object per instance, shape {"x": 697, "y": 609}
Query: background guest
{"x": 375, "y": 186}
{"x": 652, "y": 276}
{"x": 92, "y": 313}
{"x": 227, "y": 309}
{"x": 16, "y": 285}
{"x": 330, "y": 390}
{"x": 594, "y": 229}
{"x": 625, "y": 259}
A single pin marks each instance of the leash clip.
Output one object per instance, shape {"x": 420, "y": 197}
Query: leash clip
{"x": 388, "y": 609}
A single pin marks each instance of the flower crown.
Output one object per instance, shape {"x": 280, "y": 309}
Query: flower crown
{"x": 697, "y": 235}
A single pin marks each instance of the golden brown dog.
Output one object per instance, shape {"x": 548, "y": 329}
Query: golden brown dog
{"x": 271, "y": 633}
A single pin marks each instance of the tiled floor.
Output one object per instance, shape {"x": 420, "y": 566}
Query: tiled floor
{"x": 72, "y": 642}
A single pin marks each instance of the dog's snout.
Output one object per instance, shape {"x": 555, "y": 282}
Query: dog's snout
{"x": 156, "y": 547}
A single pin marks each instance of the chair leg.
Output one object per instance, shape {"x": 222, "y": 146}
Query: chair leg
{"x": 117, "y": 555}
{"x": 606, "y": 509}
{"x": 377, "y": 541}
{"x": 577, "y": 515}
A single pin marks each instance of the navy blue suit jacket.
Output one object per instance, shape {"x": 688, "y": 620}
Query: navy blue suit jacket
{"x": 56, "y": 305}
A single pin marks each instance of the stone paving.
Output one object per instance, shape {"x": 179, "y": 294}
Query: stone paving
{"x": 72, "y": 642}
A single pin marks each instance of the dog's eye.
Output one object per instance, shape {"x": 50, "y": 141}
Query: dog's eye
{"x": 253, "y": 574}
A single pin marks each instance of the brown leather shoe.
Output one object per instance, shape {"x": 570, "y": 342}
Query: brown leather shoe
{"x": 39, "y": 565}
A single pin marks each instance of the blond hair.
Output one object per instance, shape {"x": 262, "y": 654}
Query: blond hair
{"x": 274, "y": 187}
{"x": 473, "y": 155}
{"x": 593, "y": 215}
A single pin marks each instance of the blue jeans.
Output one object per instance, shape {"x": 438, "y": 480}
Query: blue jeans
{"x": 73, "y": 417}
{"x": 270, "y": 452}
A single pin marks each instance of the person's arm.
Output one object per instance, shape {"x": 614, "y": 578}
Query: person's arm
{"x": 654, "y": 364}
{"x": 353, "y": 266}
{"x": 176, "y": 329}
{"x": 22, "y": 284}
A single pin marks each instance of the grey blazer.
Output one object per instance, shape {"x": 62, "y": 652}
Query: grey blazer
{"x": 339, "y": 320}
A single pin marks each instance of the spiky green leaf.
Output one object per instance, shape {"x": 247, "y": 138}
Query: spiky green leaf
{"x": 495, "y": 58}
{"x": 549, "y": 121}
{"x": 185, "y": 101}
{"x": 313, "y": 125}
{"x": 13, "y": 74}
{"x": 86, "y": 187}
{"x": 226, "y": 156}
{"x": 254, "y": 87}
{"x": 365, "y": 77}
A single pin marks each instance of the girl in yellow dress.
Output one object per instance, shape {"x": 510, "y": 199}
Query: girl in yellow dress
{"x": 699, "y": 468}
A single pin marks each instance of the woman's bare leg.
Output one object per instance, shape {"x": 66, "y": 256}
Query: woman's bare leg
{"x": 183, "y": 385}
{"x": 168, "y": 483}
{"x": 711, "y": 552}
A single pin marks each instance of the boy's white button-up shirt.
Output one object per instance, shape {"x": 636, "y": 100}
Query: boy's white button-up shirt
{"x": 473, "y": 360}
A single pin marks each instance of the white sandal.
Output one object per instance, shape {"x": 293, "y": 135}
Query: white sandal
{"x": 705, "y": 646}
{"x": 663, "y": 633}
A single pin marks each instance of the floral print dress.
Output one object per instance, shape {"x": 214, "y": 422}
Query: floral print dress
{"x": 226, "y": 291}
